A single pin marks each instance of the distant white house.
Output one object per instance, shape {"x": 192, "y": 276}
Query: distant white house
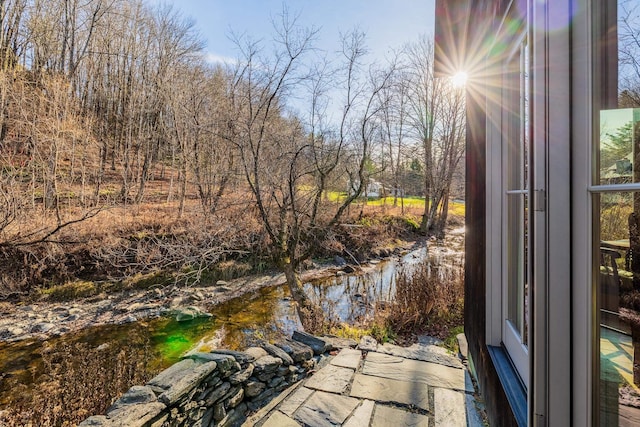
{"x": 374, "y": 189}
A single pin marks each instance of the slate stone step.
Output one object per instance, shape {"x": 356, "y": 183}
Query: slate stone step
{"x": 390, "y": 390}
{"x": 325, "y": 410}
{"x": 425, "y": 353}
{"x": 347, "y": 358}
{"x": 332, "y": 379}
{"x": 385, "y": 416}
{"x": 449, "y": 408}
{"x": 386, "y": 366}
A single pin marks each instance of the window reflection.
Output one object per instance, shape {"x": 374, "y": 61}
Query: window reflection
{"x": 619, "y": 308}
{"x": 617, "y": 226}
{"x": 619, "y": 140}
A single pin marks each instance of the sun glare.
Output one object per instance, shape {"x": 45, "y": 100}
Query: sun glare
{"x": 459, "y": 79}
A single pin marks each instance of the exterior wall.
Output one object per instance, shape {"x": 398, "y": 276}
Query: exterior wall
{"x": 498, "y": 409}
{"x": 453, "y": 34}
{"x": 477, "y": 29}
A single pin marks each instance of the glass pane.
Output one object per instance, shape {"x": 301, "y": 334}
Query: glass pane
{"x": 616, "y": 156}
{"x": 618, "y": 284}
{"x": 619, "y": 139}
{"x": 617, "y": 222}
{"x": 518, "y": 155}
{"x": 517, "y": 263}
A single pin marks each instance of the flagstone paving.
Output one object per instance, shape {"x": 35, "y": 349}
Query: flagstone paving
{"x": 385, "y": 416}
{"x": 382, "y": 365}
{"x": 348, "y": 358}
{"x": 388, "y": 390}
{"x": 332, "y": 379}
{"x": 446, "y": 403}
{"x": 384, "y": 385}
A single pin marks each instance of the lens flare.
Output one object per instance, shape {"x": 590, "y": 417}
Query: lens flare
{"x": 460, "y": 79}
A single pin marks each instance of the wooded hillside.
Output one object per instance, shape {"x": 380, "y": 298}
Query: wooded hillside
{"x": 122, "y": 150}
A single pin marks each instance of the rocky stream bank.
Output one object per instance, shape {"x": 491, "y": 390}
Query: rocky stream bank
{"x": 44, "y": 320}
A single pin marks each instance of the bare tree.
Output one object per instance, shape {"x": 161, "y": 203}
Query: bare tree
{"x": 288, "y": 166}
{"x": 436, "y": 114}
{"x": 395, "y": 128}
{"x": 12, "y": 13}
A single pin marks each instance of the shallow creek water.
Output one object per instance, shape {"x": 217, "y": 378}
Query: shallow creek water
{"x": 63, "y": 380}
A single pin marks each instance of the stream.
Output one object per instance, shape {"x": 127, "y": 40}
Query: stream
{"x": 63, "y": 380}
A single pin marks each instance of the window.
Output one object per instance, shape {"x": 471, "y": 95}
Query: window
{"x": 615, "y": 193}
{"x": 509, "y": 195}
{"x": 517, "y": 197}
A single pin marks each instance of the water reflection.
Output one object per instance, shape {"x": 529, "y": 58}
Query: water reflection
{"x": 64, "y": 380}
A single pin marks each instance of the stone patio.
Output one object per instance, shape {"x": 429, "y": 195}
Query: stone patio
{"x": 379, "y": 385}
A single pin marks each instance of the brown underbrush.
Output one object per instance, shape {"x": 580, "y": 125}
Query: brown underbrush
{"x": 428, "y": 300}
{"x": 134, "y": 247}
{"x": 75, "y": 382}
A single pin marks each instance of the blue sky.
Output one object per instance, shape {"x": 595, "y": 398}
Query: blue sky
{"x": 388, "y": 24}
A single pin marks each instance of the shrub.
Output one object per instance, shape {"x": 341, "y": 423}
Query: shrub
{"x": 429, "y": 297}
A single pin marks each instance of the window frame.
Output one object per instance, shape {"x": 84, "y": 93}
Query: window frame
{"x": 516, "y": 229}
{"x": 502, "y": 127}
{"x": 552, "y": 313}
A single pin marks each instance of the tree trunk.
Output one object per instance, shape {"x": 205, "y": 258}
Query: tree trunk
{"x": 311, "y": 316}
{"x": 50, "y": 184}
{"x": 426, "y": 218}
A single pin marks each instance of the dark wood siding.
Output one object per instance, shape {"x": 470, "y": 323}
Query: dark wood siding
{"x": 498, "y": 408}
{"x": 454, "y": 35}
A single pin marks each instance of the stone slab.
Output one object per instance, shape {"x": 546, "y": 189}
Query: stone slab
{"x": 385, "y": 416}
{"x": 325, "y": 410}
{"x": 256, "y": 352}
{"x": 332, "y": 379}
{"x": 278, "y": 419}
{"x": 240, "y": 356}
{"x": 276, "y": 351}
{"x": 390, "y": 390}
{"x": 180, "y": 379}
{"x": 136, "y": 415}
{"x": 425, "y": 353}
{"x": 266, "y": 410}
{"x": 362, "y": 415}
{"x": 463, "y": 345}
{"x": 135, "y": 395}
{"x": 299, "y": 352}
{"x": 449, "y": 408}
{"x": 224, "y": 361}
{"x": 165, "y": 379}
{"x": 386, "y": 366}
{"x": 318, "y": 345}
{"x": 368, "y": 343}
{"x": 266, "y": 364}
{"x": 348, "y": 358}
{"x": 340, "y": 343}
{"x": 290, "y": 405}
{"x": 95, "y": 421}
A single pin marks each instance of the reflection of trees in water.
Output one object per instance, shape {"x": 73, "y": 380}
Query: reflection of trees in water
{"x": 77, "y": 379}
{"x": 353, "y": 298}
{"x": 265, "y": 314}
